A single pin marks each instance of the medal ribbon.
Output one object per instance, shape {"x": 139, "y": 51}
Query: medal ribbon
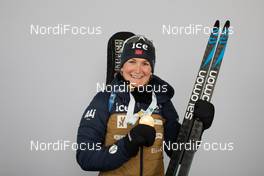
{"x": 132, "y": 118}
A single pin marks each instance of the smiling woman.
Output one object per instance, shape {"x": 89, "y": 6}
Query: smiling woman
{"x": 133, "y": 128}
{"x": 132, "y": 136}
{"x": 132, "y": 125}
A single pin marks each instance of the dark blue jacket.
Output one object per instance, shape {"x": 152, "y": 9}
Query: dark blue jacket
{"x": 93, "y": 125}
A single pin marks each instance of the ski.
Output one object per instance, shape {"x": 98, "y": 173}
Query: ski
{"x": 207, "y": 93}
{"x": 114, "y": 49}
{"x": 196, "y": 92}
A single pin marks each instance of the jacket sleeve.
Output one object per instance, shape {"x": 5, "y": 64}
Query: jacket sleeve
{"x": 92, "y": 155}
{"x": 171, "y": 126}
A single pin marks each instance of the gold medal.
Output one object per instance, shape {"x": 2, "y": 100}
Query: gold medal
{"x": 140, "y": 113}
{"x": 147, "y": 120}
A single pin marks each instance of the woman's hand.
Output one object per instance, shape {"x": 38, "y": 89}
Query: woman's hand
{"x": 140, "y": 135}
{"x": 204, "y": 111}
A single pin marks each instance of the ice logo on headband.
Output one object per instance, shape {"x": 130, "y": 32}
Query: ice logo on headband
{"x": 140, "y": 46}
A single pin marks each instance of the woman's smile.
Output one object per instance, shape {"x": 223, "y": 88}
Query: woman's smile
{"x": 137, "y": 71}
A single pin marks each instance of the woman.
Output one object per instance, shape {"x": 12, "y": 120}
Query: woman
{"x": 128, "y": 126}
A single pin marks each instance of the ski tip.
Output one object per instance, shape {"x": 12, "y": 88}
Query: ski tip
{"x": 217, "y": 24}
{"x": 227, "y": 24}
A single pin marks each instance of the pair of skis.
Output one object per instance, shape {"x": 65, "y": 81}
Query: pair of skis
{"x": 191, "y": 129}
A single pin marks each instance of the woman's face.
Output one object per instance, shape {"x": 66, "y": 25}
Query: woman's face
{"x": 137, "y": 71}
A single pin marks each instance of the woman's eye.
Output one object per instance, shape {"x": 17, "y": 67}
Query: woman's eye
{"x": 146, "y": 63}
{"x": 131, "y": 61}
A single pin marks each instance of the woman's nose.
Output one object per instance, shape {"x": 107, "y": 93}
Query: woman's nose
{"x": 138, "y": 68}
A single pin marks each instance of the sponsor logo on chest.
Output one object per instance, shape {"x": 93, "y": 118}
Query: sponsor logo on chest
{"x": 120, "y": 108}
{"x": 120, "y": 123}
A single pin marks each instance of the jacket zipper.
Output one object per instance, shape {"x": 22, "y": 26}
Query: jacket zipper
{"x": 141, "y": 151}
{"x": 141, "y": 161}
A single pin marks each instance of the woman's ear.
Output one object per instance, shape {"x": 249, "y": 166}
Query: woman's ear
{"x": 121, "y": 71}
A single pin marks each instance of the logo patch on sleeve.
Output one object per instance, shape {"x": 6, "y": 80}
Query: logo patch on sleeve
{"x": 113, "y": 149}
{"x": 90, "y": 114}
